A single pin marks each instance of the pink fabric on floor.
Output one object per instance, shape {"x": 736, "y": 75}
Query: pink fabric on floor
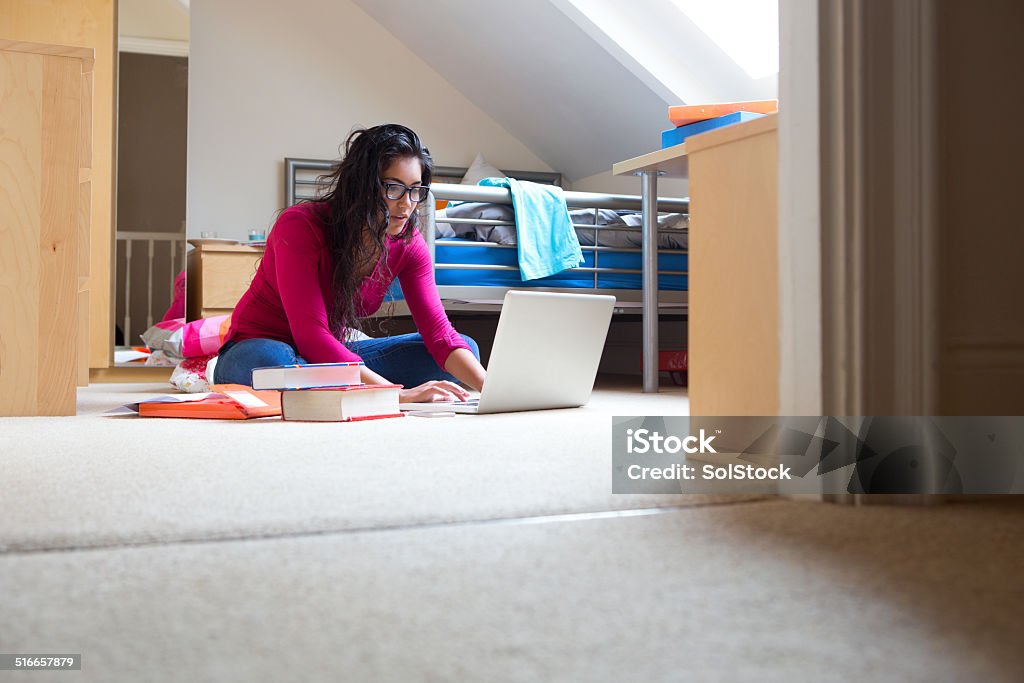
{"x": 177, "y": 309}
{"x": 205, "y": 336}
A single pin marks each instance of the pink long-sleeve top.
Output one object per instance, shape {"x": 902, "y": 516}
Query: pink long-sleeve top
{"x": 291, "y": 293}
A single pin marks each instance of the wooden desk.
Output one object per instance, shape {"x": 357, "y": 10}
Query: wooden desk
{"x": 218, "y": 276}
{"x": 733, "y": 298}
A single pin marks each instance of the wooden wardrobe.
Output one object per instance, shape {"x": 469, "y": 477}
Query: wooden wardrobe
{"x": 45, "y": 198}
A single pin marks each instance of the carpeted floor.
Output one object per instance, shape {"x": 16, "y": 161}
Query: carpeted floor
{"x": 93, "y": 481}
{"x": 472, "y": 548}
{"x": 767, "y": 591}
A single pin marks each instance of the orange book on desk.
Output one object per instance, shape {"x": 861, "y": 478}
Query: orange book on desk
{"x": 228, "y": 402}
{"x": 684, "y": 115}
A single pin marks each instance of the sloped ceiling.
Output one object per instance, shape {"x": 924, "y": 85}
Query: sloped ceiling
{"x": 538, "y": 74}
{"x": 543, "y": 69}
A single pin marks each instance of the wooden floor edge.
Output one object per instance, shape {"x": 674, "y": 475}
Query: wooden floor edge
{"x": 121, "y": 375}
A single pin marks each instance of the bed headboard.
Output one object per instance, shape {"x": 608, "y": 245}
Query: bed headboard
{"x": 300, "y": 177}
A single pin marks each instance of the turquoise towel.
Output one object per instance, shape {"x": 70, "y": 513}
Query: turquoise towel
{"x": 544, "y": 234}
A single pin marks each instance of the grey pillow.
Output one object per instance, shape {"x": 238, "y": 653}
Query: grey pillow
{"x": 442, "y": 229}
{"x": 499, "y": 234}
{"x": 678, "y": 223}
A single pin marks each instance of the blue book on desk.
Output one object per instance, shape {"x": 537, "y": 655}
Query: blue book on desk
{"x": 676, "y": 136}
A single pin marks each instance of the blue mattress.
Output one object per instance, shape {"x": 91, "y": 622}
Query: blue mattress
{"x": 484, "y": 254}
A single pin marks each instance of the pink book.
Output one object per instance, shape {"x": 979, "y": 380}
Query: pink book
{"x": 306, "y": 376}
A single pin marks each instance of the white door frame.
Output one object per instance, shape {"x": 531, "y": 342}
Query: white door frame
{"x": 858, "y": 212}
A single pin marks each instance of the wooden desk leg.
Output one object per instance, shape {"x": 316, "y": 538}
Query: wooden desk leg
{"x": 649, "y": 212}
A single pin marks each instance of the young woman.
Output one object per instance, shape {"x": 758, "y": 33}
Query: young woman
{"x": 330, "y": 261}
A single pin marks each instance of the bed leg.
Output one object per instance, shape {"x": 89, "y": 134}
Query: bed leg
{"x": 649, "y": 240}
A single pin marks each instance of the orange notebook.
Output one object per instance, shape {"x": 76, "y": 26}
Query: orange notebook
{"x": 228, "y": 402}
{"x": 683, "y": 115}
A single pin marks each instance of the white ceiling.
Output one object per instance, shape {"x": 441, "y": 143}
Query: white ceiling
{"x": 546, "y": 70}
{"x": 536, "y": 73}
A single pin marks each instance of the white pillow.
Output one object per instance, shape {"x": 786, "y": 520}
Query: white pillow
{"x": 479, "y": 170}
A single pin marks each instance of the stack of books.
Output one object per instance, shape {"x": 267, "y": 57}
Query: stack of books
{"x": 700, "y": 118}
{"x": 327, "y": 392}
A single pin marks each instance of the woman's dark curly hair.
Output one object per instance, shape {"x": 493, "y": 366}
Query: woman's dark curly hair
{"x": 357, "y": 217}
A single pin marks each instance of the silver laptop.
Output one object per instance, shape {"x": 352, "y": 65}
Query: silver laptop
{"x": 545, "y": 355}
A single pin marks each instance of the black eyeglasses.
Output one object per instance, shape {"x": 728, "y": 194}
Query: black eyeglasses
{"x": 395, "y": 191}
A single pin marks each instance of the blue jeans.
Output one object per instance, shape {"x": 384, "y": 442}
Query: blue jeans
{"x": 402, "y": 359}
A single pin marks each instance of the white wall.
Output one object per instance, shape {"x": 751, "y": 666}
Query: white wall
{"x": 269, "y": 80}
{"x": 538, "y": 74}
{"x": 615, "y": 184}
{"x": 800, "y": 324}
{"x": 157, "y": 19}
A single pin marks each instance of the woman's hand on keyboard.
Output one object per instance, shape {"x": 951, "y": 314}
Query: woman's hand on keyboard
{"x": 435, "y": 390}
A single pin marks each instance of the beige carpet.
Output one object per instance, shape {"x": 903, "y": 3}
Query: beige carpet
{"x": 93, "y": 481}
{"x": 469, "y": 549}
{"x": 765, "y": 591}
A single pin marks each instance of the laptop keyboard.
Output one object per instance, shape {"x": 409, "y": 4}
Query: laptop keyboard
{"x": 470, "y": 402}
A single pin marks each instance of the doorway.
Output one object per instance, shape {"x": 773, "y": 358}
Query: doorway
{"x": 152, "y": 120}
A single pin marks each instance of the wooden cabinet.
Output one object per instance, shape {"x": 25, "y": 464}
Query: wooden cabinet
{"x": 218, "y": 276}
{"x": 734, "y": 271}
{"x": 90, "y": 24}
{"x": 45, "y": 165}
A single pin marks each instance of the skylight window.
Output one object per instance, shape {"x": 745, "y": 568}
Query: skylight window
{"x": 747, "y": 30}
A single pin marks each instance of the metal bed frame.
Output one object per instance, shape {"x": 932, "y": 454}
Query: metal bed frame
{"x": 301, "y": 183}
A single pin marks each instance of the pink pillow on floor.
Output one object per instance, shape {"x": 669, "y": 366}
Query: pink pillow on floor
{"x": 180, "y": 339}
{"x": 205, "y": 336}
{"x": 165, "y": 336}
